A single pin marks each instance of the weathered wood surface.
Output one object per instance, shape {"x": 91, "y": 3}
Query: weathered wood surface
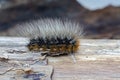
{"x": 96, "y": 60}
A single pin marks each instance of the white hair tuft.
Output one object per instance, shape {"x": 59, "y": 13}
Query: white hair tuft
{"x": 47, "y": 28}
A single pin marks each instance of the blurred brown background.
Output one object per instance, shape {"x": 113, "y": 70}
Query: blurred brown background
{"x": 100, "y": 23}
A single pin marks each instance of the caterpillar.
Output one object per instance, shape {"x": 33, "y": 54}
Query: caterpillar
{"x": 55, "y": 36}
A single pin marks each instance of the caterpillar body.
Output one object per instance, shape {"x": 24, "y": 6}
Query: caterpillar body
{"x": 55, "y": 36}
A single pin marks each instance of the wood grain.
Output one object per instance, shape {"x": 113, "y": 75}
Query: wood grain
{"x": 97, "y": 59}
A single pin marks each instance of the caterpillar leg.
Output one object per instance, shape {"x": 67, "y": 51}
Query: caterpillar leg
{"x": 73, "y": 57}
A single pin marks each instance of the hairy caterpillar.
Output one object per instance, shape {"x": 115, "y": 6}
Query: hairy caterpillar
{"x": 55, "y": 36}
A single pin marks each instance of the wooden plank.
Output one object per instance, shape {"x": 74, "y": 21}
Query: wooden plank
{"x": 87, "y": 67}
{"x": 96, "y": 60}
{"x": 13, "y": 41}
